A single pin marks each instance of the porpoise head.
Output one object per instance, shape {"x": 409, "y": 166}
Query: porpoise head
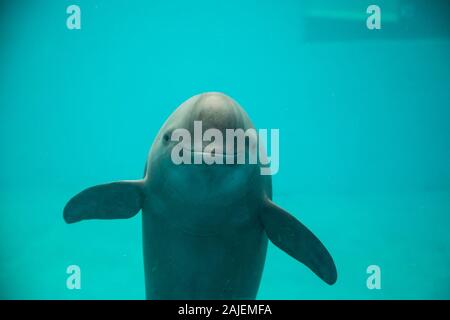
{"x": 205, "y": 182}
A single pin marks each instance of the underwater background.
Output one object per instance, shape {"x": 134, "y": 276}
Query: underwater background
{"x": 364, "y": 120}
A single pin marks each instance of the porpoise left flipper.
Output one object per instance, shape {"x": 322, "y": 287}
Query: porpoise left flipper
{"x": 291, "y": 236}
{"x": 117, "y": 200}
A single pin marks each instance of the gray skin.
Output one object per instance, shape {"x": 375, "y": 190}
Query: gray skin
{"x": 205, "y": 226}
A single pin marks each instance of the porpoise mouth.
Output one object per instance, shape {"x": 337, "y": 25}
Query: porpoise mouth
{"x": 227, "y": 157}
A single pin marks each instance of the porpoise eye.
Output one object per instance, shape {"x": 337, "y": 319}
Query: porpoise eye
{"x": 166, "y": 138}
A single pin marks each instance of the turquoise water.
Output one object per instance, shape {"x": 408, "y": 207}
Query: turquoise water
{"x": 364, "y": 139}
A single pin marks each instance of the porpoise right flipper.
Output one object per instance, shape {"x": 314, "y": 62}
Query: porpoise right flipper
{"x": 291, "y": 236}
{"x": 117, "y": 200}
